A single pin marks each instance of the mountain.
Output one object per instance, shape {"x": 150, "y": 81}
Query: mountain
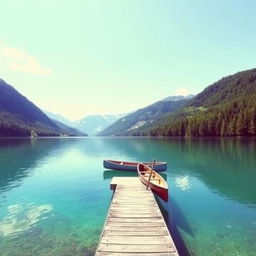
{"x": 59, "y": 118}
{"x": 20, "y": 117}
{"x": 91, "y": 124}
{"x": 225, "y": 108}
{"x": 94, "y": 124}
{"x": 69, "y": 130}
{"x": 145, "y": 117}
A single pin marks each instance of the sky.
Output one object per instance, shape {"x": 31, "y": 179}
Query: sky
{"x": 81, "y": 57}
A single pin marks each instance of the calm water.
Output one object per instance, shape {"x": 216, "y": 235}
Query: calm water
{"x": 54, "y": 193}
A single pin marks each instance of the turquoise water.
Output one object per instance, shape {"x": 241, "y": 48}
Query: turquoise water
{"x": 54, "y": 193}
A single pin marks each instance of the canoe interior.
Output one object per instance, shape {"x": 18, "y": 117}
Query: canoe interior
{"x": 133, "y": 163}
{"x": 156, "y": 179}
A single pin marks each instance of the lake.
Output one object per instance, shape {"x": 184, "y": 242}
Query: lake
{"x": 54, "y": 193}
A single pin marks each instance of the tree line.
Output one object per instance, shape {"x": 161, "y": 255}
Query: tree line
{"x": 237, "y": 118}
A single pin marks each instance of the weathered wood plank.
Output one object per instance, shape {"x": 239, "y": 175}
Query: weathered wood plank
{"x": 137, "y": 232}
{"x": 137, "y": 206}
{"x": 135, "y": 248}
{"x": 138, "y": 210}
{"x": 132, "y": 228}
{"x": 133, "y": 192}
{"x": 133, "y": 199}
{"x": 134, "y": 204}
{"x": 135, "y": 223}
{"x": 135, "y": 220}
{"x": 106, "y": 239}
{"x": 136, "y": 254}
{"x": 134, "y": 188}
{"x": 134, "y": 215}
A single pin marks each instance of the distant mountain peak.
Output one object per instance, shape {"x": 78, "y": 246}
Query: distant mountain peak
{"x": 178, "y": 97}
{"x": 59, "y": 118}
{"x": 93, "y": 124}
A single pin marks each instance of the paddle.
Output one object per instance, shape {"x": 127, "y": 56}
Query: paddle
{"x": 153, "y": 163}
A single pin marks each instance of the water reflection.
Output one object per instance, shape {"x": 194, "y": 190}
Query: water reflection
{"x": 21, "y": 218}
{"x": 19, "y": 157}
{"x": 183, "y": 182}
{"x": 227, "y": 166}
{"x": 175, "y": 219}
{"x": 133, "y": 149}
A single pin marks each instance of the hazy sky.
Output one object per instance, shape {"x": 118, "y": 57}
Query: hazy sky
{"x": 79, "y": 57}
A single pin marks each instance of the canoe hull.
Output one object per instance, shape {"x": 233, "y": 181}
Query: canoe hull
{"x": 161, "y": 191}
{"x": 132, "y": 166}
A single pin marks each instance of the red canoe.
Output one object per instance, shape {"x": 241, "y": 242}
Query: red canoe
{"x": 157, "y": 184}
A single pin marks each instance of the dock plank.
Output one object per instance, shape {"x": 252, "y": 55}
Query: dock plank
{"x": 135, "y": 224}
{"x": 136, "y": 254}
{"x": 136, "y": 248}
{"x": 132, "y": 228}
{"x": 106, "y": 239}
{"x": 136, "y": 220}
{"x": 135, "y": 233}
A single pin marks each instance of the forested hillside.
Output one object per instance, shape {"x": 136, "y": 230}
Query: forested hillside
{"x": 13, "y": 125}
{"x": 145, "y": 116}
{"x": 237, "y": 86}
{"x": 226, "y": 108}
{"x": 21, "y": 117}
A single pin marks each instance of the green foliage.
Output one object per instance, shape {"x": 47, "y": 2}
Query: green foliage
{"x": 241, "y": 84}
{"x": 237, "y": 118}
{"x": 12, "y": 125}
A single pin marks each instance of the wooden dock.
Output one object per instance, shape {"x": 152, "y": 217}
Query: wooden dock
{"x": 134, "y": 225}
